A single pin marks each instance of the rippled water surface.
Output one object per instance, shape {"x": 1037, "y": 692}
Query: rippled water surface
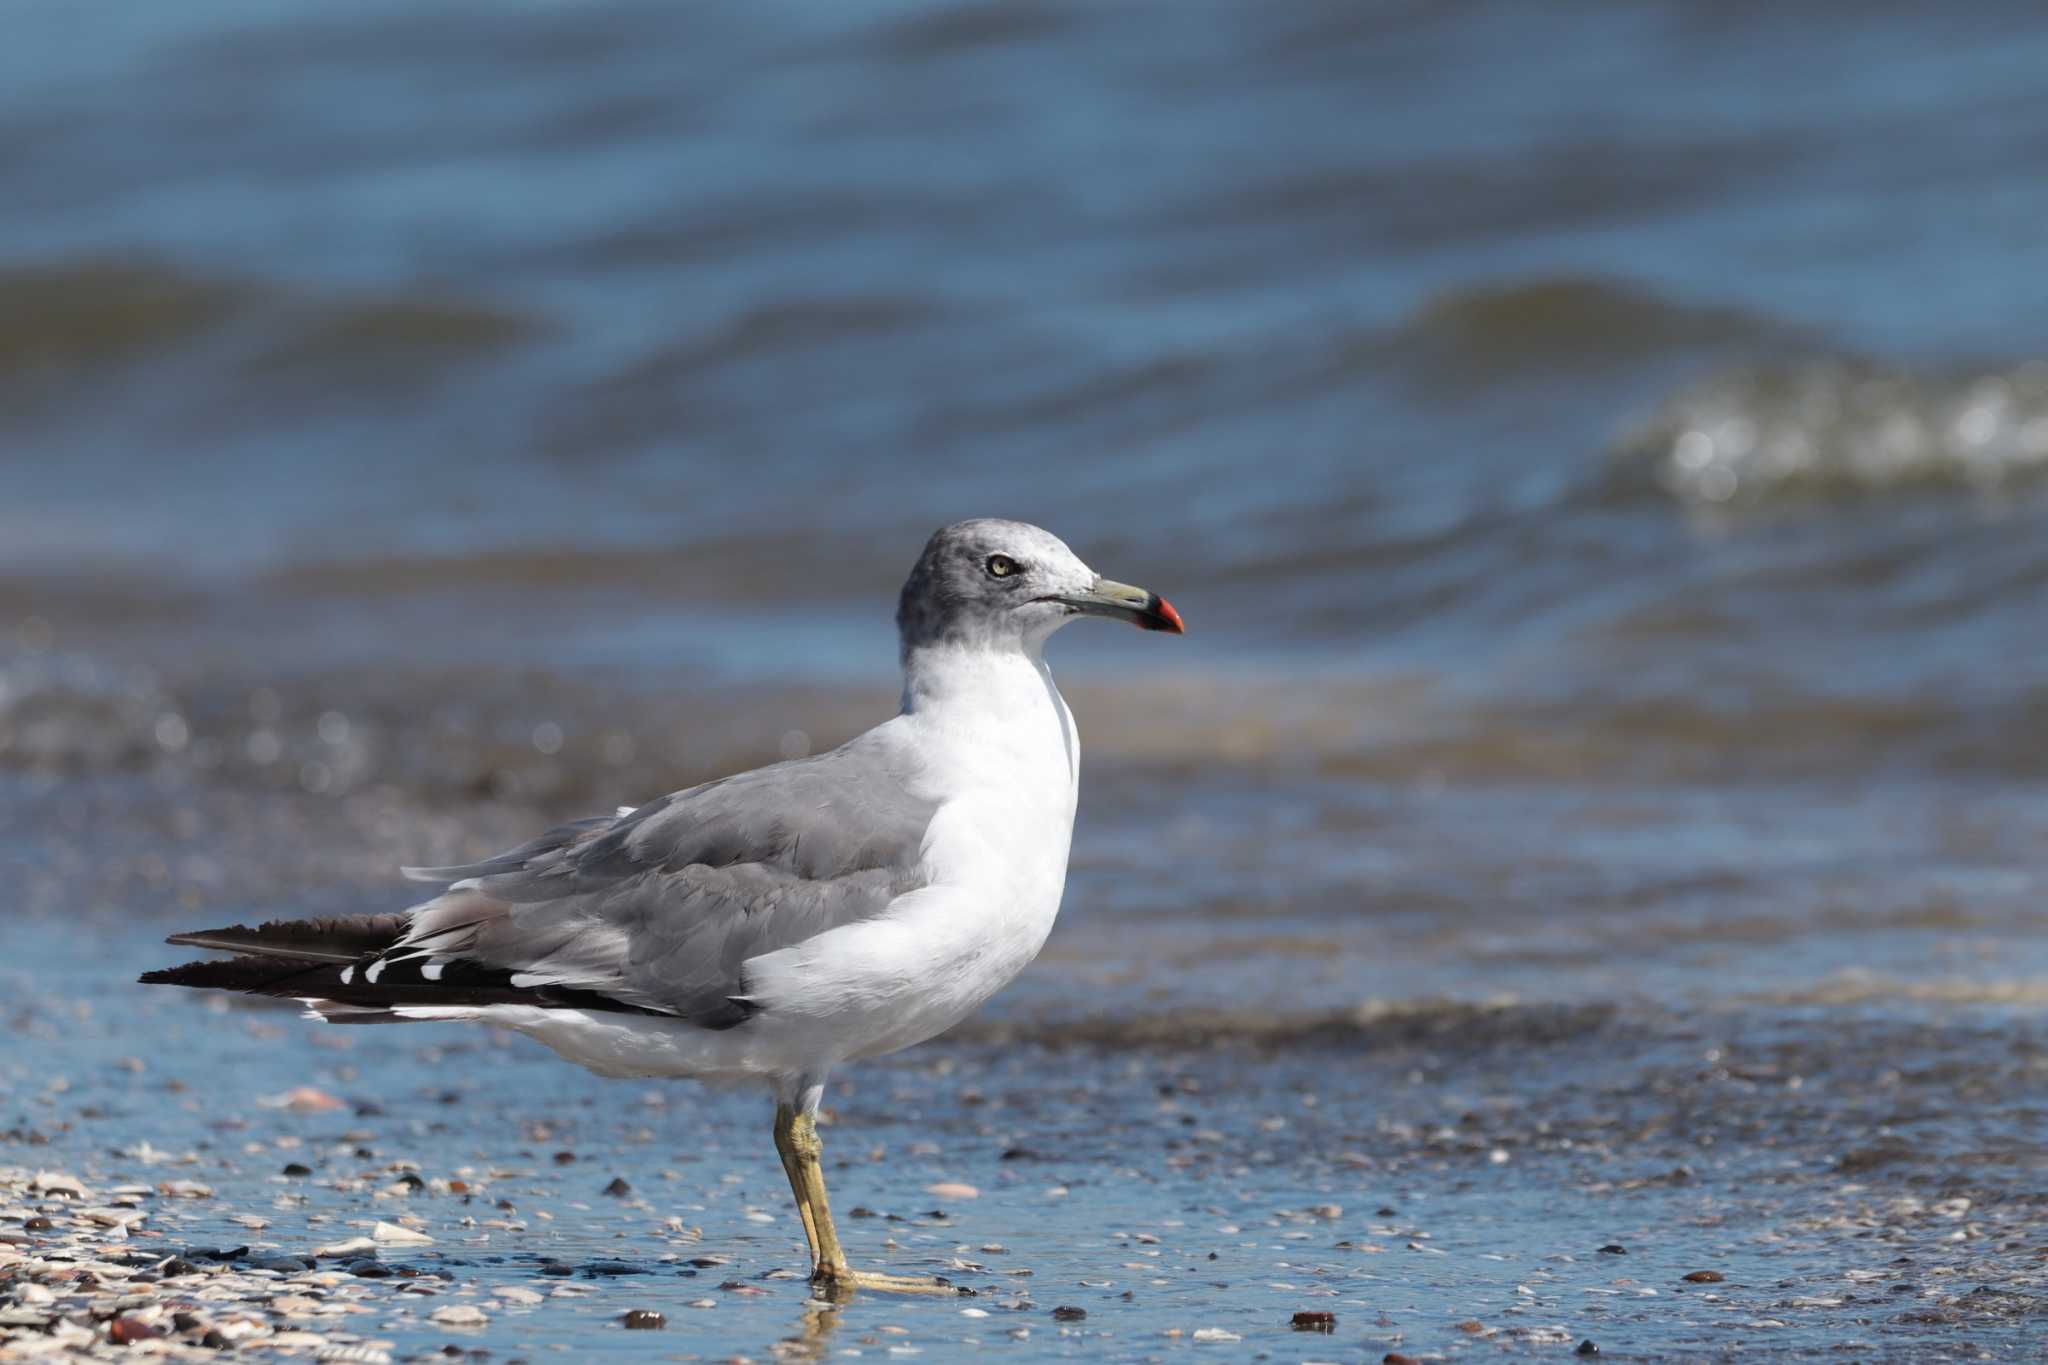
{"x": 1598, "y": 452}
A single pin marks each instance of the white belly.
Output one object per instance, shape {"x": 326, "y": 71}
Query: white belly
{"x": 937, "y": 955}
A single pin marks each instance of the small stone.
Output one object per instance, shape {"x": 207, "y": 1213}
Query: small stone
{"x": 37, "y": 1223}
{"x": 952, "y": 1189}
{"x": 1312, "y": 1321}
{"x": 297, "y": 1168}
{"x": 392, "y": 1234}
{"x": 125, "y": 1331}
{"x": 1215, "y": 1334}
{"x": 184, "y": 1189}
{"x": 57, "y": 1183}
{"x": 303, "y": 1099}
{"x": 1472, "y": 1327}
{"x": 1587, "y": 1348}
{"x": 369, "y": 1268}
{"x": 516, "y": 1293}
{"x": 1614, "y": 1249}
{"x": 286, "y": 1265}
{"x": 352, "y": 1248}
{"x": 1064, "y": 1313}
{"x": 618, "y": 1189}
{"x": 1705, "y": 1277}
{"x": 644, "y": 1320}
{"x": 1396, "y": 1358}
{"x": 702, "y": 1303}
{"x": 459, "y": 1315}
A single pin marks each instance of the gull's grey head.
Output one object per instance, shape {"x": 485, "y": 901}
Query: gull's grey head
{"x": 989, "y": 582}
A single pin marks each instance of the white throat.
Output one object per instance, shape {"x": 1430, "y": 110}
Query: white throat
{"x": 995, "y": 714}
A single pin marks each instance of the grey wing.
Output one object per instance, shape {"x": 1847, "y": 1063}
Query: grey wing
{"x": 660, "y": 908}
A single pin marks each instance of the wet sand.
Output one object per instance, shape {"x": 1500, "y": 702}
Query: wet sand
{"x": 1448, "y": 1182}
{"x": 1184, "y": 1164}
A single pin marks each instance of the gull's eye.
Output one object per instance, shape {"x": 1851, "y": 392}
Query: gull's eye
{"x": 1002, "y": 566}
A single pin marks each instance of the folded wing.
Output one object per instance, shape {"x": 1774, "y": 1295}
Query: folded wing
{"x": 653, "y": 911}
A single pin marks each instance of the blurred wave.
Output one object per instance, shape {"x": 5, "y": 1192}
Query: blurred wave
{"x": 1832, "y": 429}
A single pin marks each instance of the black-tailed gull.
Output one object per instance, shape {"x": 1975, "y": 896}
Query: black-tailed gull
{"x": 775, "y": 923}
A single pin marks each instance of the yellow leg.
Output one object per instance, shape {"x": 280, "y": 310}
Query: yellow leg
{"x": 785, "y": 1119}
{"x": 828, "y": 1260}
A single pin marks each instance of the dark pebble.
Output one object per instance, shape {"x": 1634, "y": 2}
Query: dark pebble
{"x": 214, "y": 1341}
{"x": 297, "y": 1168}
{"x": 644, "y": 1320}
{"x": 37, "y": 1223}
{"x": 1587, "y": 1348}
{"x": 618, "y": 1189}
{"x": 368, "y": 1109}
{"x": 216, "y": 1253}
{"x": 1066, "y": 1314}
{"x": 369, "y": 1269}
{"x": 565, "y": 1158}
{"x": 705, "y": 1262}
{"x": 1614, "y": 1249}
{"x": 557, "y": 1268}
{"x": 411, "y": 1181}
{"x": 1019, "y": 1154}
{"x": 126, "y": 1331}
{"x": 290, "y": 1265}
{"x": 1385, "y": 1211}
{"x": 860, "y": 1211}
{"x": 1312, "y": 1321}
{"x": 177, "y": 1265}
{"x": 187, "y": 1322}
{"x": 1705, "y": 1277}
{"x": 614, "y": 1268}
{"x": 1396, "y": 1358}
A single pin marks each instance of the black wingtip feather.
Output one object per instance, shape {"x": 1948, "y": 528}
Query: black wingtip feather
{"x": 336, "y": 939}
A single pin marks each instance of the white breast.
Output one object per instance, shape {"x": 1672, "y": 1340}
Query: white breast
{"x": 997, "y": 747}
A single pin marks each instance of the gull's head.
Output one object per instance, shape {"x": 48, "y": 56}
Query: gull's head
{"x": 995, "y": 583}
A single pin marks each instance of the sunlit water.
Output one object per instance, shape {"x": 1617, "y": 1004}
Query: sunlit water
{"x": 1597, "y": 454}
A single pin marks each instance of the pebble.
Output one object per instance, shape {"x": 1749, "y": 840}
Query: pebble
{"x": 1310, "y": 1320}
{"x": 1705, "y": 1277}
{"x": 354, "y": 1246}
{"x": 643, "y": 1320}
{"x": 1066, "y": 1313}
{"x": 125, "y": 1331}
{"x": 952, "y": 1189}
{"x": 1587, "y": 1348}
{"x": 459, "y": 1315}
{"x": 393, "y": 1234}
{"x": 1215, "y": 1334}
{"x": 518, "y": 1293}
